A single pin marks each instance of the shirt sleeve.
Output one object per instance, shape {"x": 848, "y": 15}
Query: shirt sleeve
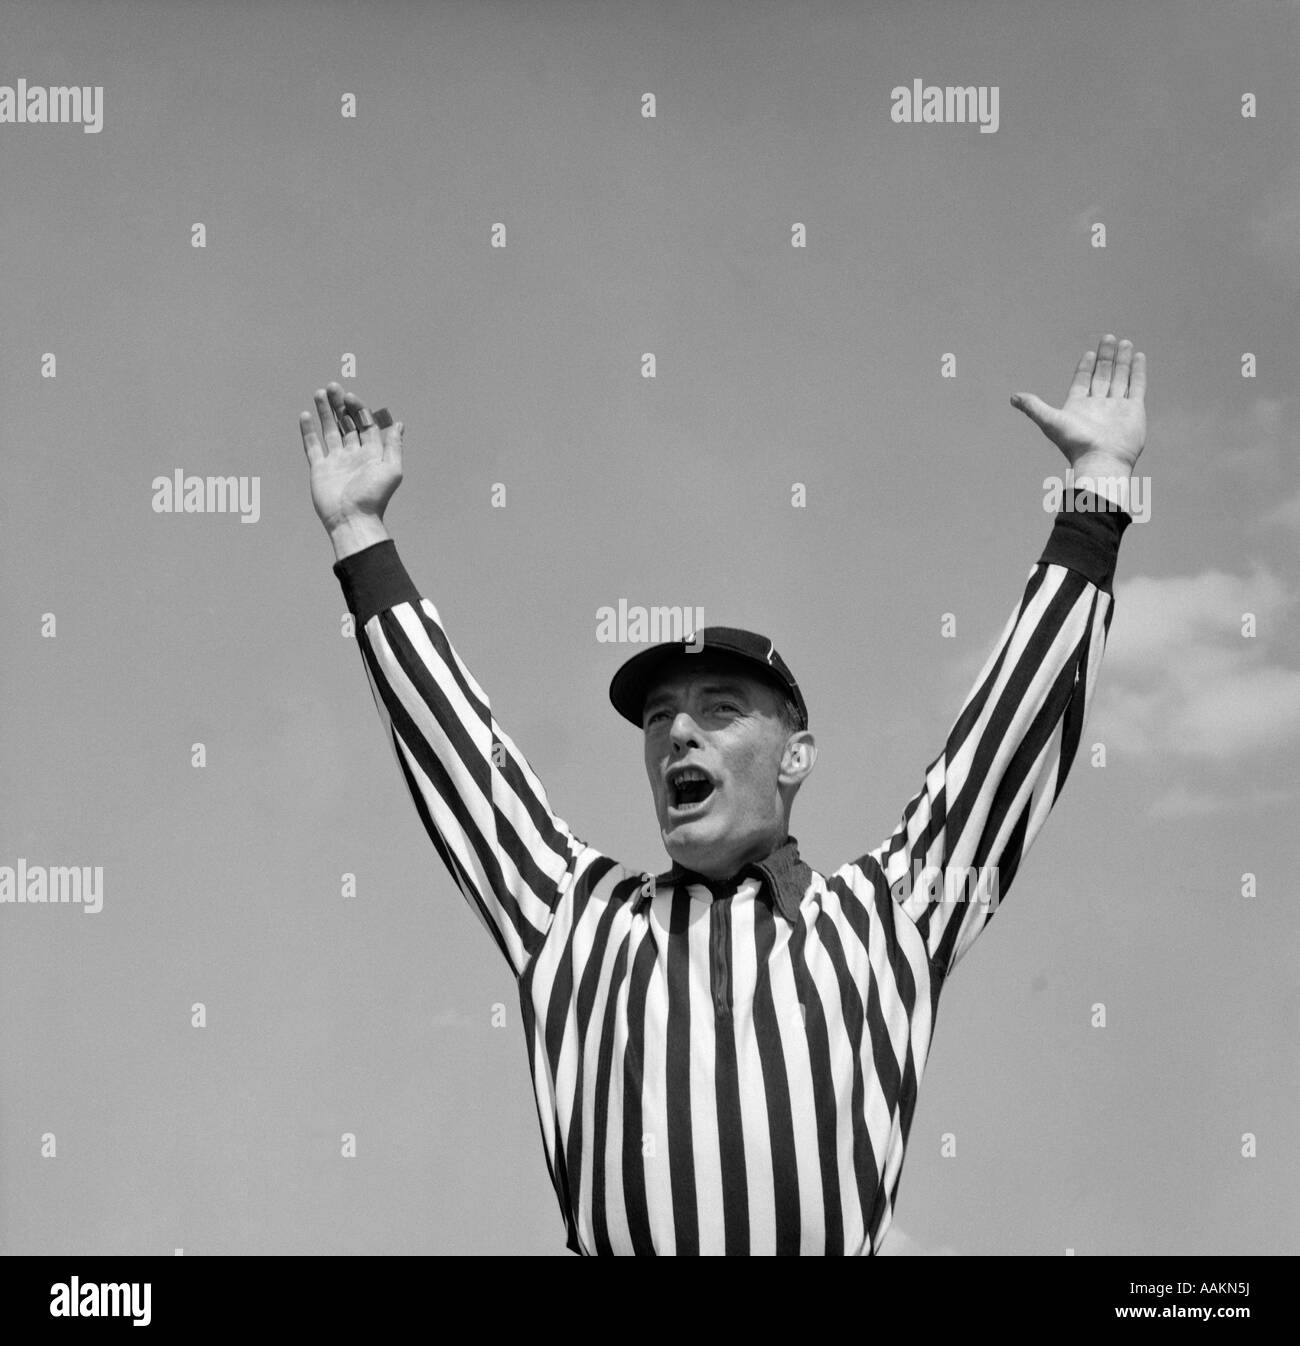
{"x": 962, "y": 836}
{"x": 484, "y": 810}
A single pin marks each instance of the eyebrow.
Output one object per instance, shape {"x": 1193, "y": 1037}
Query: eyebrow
{"x": 658, "y": 698}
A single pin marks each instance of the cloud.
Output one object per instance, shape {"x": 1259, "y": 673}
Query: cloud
{"x": 1285, "y": 515}
{"x": 1185, "y": 801}
{"x": 899, "y": 1244}
{"x": 1081, "y": 221}
{"x": 1235, "y": 439}
{"x": 1276, "y": 230}
{"x": 1180, "y": 679}
{"x": 1180, "y": 614}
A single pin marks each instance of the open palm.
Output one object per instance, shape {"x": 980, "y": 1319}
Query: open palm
{"x": 356, "y": 463}
{"x": 1104, "y": 417}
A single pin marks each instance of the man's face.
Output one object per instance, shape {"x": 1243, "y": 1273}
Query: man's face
{"x": 707, "y": 713}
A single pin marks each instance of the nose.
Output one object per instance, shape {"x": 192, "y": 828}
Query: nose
{"x": 684, "y": 732}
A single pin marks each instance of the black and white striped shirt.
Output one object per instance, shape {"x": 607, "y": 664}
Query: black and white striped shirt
{"x": 732, "y": 1067}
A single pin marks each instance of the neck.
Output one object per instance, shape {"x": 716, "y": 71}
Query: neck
{"x": 760, "y": 850}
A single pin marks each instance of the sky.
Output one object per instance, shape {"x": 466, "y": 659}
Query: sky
{"x": 522, "y": 366}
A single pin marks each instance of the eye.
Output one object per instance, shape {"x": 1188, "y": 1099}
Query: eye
{"x": 654, "y": 715}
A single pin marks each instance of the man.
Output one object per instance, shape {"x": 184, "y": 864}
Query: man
{"x": 726, "y": 1056}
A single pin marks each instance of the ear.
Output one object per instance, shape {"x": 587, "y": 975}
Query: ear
{"x": 799, "y": 758}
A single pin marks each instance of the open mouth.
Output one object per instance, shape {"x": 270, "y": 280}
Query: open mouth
{"x": 689, "y": 790}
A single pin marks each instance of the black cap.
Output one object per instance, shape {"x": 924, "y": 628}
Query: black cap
{"x": 633, "y": 681}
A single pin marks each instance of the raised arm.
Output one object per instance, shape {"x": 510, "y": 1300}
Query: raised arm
{"x": 484, "y": 810}
{"x": 962, "y": 836}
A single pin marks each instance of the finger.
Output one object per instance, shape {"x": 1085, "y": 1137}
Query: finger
{"x": 392, "y": 436}
{"x": 339, "y": 403}
{"x": 1137, "y": 384}
{"x": 363, "y": 420}
{"x": 1123, "y": 364}
{"x": 310, "y": 439}
{"x": 1105, "y": 366}
{"x": 1036, "y": 409}
{"x": 329, "y": 426}
{"x": 1082, "y": 376}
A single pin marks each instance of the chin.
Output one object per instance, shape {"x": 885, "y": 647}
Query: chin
{"x": 689, "y": 844}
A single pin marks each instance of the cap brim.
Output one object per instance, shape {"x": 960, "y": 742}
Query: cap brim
{"x": 637, "y": 677}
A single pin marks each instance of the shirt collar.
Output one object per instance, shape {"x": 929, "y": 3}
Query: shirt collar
{"x": 783, "y": 872}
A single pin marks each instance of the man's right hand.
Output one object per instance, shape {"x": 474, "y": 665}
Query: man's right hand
{"x": 355, "y": 468}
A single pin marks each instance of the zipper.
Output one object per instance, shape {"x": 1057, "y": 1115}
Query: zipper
{"x": 718, "y": 923}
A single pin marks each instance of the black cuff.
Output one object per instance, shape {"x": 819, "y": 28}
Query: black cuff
{"x": 1086, "y": 536}
{"x": 374, "y": 580}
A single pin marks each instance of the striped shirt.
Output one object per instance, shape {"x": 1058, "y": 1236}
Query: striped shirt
{"x": 732, "y": 1066}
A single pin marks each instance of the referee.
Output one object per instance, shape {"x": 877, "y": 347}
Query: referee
{"x": 726, "y": 1056}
